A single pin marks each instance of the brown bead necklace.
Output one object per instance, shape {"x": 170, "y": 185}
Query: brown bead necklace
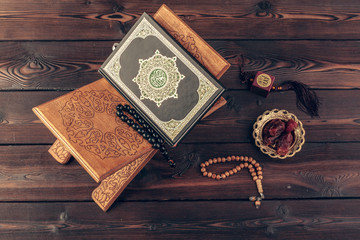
{"x": 247, "y": 162}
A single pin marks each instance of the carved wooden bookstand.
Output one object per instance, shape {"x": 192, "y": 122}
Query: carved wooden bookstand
{"x": 86, "y": 127}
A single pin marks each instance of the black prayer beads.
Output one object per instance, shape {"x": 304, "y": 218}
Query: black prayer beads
{"x": 143, "y": 129}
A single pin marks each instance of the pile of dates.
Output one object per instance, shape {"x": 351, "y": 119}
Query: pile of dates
{"x": 279, "y": 134}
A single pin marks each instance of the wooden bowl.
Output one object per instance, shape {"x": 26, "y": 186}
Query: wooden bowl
{"x": 262, "y": 120}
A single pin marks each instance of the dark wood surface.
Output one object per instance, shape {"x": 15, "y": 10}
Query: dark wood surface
{"x": 49, "y": 48}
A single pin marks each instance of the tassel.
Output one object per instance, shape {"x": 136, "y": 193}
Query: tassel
{"x": 306, "y": 99}
{"x": 245, "y": 77}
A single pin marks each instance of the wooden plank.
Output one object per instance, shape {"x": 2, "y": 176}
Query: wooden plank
{"x": 250, "y": 19}
{"x": 337, "y": 219}
{"x": 338, "y": 122}
{"x": 319, "y": 170}
{"x": 30, "y": 173}
{"x": 51, "y": 65}
{"x": 319, "y": 64}
{"x": 70, "y": 65}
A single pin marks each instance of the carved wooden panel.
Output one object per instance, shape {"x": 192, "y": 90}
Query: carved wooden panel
{"x": 80, "y": 120}
{"x": 59, "y": 152}
{"x": 111, "y": 187}
{"x": 191, "y": 41}
{"x": 86, "y": 123}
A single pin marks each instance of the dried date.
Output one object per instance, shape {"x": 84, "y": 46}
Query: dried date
{"x": 279, "y": 135}
{"x": 284, "y": 143}
{"x": 272, "y": 131}
{"x": 291, "y": 125}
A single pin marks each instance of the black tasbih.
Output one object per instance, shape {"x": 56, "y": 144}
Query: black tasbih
{"x": 143, "y": 129}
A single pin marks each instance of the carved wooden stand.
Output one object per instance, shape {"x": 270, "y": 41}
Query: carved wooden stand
{"x": 112, "y": 185}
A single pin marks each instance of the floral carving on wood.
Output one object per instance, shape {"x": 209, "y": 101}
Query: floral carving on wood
{"x": 58, "y": 150}
{"x": 110, "y": 188}
{"x": 188, "y": 42}
{"x": 86, "y": 116}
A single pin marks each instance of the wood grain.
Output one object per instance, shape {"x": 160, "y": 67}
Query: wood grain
{"x": 319, "y": 170}
{"x": 233, "y": 123}
{"x": 196, "y": 220}
{"x": 50, "y": 47}
{"x": 250, "y": 19}
{"x": 70, "y": 65}
{"x": 29, "y": 172}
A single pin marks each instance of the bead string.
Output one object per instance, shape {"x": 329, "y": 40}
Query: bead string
{"x": 247, "y": 162}
{"x": 143, "y": 129}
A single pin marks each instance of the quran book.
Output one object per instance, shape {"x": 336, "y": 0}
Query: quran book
{"x": 166, "y": 86}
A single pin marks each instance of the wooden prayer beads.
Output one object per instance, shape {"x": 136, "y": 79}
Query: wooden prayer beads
{"x": 246, "y": 162}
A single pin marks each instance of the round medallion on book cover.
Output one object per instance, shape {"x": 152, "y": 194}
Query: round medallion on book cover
{"x": 158, "y": 78}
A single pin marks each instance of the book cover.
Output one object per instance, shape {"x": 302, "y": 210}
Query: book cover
{"x": 161, "y": 80}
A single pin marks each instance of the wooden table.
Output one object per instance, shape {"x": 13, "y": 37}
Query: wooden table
{"x": 49, "y": 48}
